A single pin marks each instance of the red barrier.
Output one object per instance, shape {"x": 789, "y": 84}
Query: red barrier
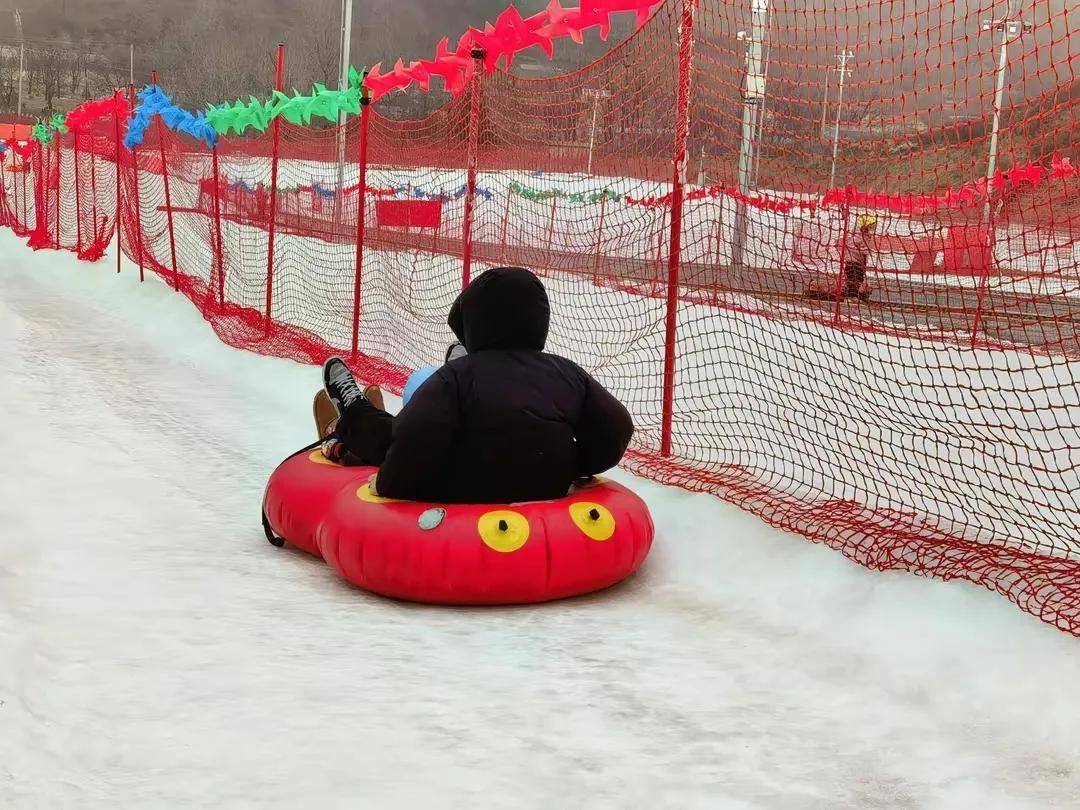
{"x": 678, "y": 184}
{"x": 408, "y": 213}
{"x": 136, "y": 205}
{"x": 118, "y": 143}
{"x": 219, "y": 248}
{"x": 168, "y": 195}
{"x": 476, "y": 90}
{"x": 361, "y": 217}
{"x": 279, "y": 85}
{"x": 59, "y": 183}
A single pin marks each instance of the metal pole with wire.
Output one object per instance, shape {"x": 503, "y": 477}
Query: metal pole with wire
{"x": 753, "y": 96}
{"x": 22, "y": 56}
{"x": 344, "y": 49}
{"x": 1011, "y": 28}
{"x": 759, "y": 135}
{"x": 596, "y": 95}
{"x": 843, "y": 57}
{"x": 825, "y": 102}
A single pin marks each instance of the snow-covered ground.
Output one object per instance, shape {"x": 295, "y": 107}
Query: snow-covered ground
{"x": 155, "y": 651}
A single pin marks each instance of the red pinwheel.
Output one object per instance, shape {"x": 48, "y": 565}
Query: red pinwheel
{"x": 380, "y": 83}
{"x": 1028, "y": 173}
{"x": 419, "y": 73}
{"x": 563, "y": 22}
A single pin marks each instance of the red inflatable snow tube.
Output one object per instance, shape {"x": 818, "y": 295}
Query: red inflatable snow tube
{"x": 457, "y": 554}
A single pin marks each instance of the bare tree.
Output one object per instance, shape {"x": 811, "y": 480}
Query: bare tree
{"x": 316, "y": 55}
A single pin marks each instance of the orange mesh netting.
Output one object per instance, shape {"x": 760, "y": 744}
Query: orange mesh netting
{"x": 829, "y": 268}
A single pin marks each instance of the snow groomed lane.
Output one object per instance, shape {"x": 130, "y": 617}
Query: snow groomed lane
{"x": 156, "y": 651}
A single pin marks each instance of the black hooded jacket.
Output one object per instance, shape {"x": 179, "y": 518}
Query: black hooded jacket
{"x": 507, "y": 423}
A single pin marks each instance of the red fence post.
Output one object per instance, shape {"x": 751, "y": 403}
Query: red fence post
{"x": 682, "y": 131}
{"x": 78, "y": 191}
{"x": 135, "y": 185}
{"x": 3, "y": 193}
{"x": 168, "y": 194}
{"x": 40, "y": 216}
{"x": 59, "y": 183}
{"x": 93, "y": 192}
{"x": 280, "y": 85}
{"x": 505, "y": 224}
{"x": 16, "y": 222}
{"x": 599, "y": 240}
{"x": 719, "y": 252}
{"x": 551, "y": 221}
{"x": 361, "y": 218}
{"x": 25, "y": 204}
{"x": 984, "y": 281}
{"x": 116, "y": 128}
{"x": 475, "y": 92}
{"x": 219, "y": 250}
{"x": 838, "y": 292}
{"x": 41, "y": 193}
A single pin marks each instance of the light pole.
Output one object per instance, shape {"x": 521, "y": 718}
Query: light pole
{"x": 843, "y": 58}
{"x": 758, "y": 136}
{"x": 753, "y": 97}
{"x": 345, "y": 45}
{"x": 1010, "y": 28}
{"x": 22, "y": 54}
{"x": 596, "y": 95}
{"x": 131, "y": 65}
{"x": 825, "y": 103}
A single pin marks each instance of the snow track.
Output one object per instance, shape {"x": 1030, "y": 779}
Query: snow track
{"x": 155, "y": 651}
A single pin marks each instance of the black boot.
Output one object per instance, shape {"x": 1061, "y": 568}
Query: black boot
{"x": 340, "y": 384}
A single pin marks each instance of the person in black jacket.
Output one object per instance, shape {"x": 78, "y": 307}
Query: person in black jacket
{"x": 505, "y": 423}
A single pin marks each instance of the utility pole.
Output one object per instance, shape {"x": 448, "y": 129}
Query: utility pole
{"x": 843, "y": 58}
{"x": 825, "y": 103}
{"x": 596, "y": 95}
{"x": 22, "y": 60}
{"x": 1011, "y": 28}
{"x": 344, "y": 48}
{"x": 131, "y": 68}
{"x": 759, "y": 135}
{"x": 22, "y": 55}
{"x": 753, "y": 98}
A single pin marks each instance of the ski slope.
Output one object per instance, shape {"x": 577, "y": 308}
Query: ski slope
{"x": 155, "y": 651}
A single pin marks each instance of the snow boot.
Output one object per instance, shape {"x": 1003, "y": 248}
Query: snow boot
{"x": 340, "y": 384}
{"x": 326, "y": 415}
{"x": 374, "y": 395}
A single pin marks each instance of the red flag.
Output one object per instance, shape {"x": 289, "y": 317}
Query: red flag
{"x": 409, "y": 213}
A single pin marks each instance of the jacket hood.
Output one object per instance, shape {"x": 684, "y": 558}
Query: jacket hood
{"x": 502, "y": 309}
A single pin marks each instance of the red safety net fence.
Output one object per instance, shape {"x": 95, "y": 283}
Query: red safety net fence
{"x": 829, "y": 267}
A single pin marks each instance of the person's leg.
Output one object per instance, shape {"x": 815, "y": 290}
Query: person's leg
{"x": 374, "y": 395}
{"x": 363, "y": 431}
{"x": 854, "y": 276}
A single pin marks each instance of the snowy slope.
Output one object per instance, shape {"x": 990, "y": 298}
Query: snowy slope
{"x": 155, "y": 651}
